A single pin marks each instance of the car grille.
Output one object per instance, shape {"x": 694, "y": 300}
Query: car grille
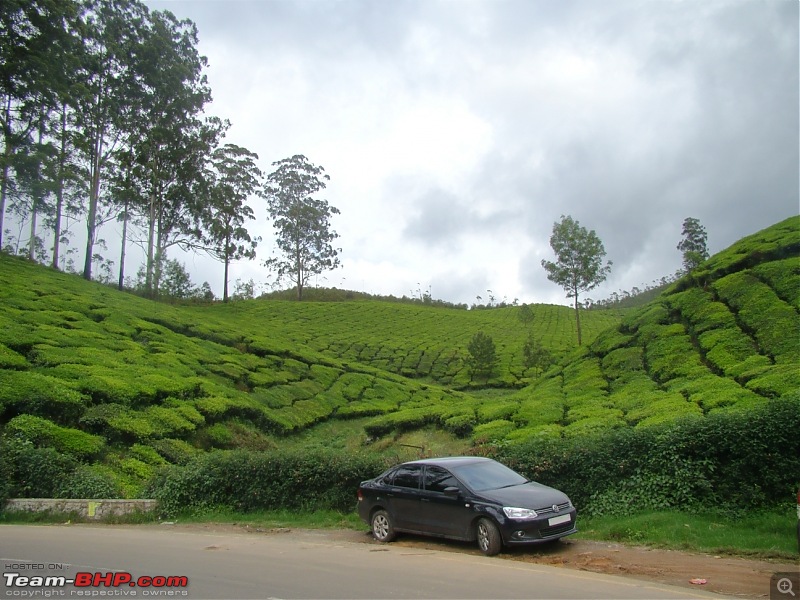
{"x": 557, "y": 530}
{"x": 548, "y": 509}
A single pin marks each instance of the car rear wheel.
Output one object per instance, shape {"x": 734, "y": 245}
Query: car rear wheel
{"x": 489, "y": 540}
{"x": 382, "y": 527}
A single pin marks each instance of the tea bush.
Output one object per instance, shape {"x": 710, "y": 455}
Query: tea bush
{"x": 66, "y": 440}
{"x": 11, "y": 360}
{"x": 783, "y": 276}
{"x": 775, "y": 323}
{"x": 86, "y": 482}
{"x": 42, "y": 395}
{"x": 248, "y": 481}
{"x": 742, "y": 459}
{"x": 33, "y": 472}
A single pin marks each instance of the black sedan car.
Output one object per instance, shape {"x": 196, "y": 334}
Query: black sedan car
{"x": 464, "y": 498}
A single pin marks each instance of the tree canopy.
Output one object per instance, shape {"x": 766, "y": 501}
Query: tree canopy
{"x": 301, "y": 222}
{"x": 579, "y": 261}
{"x": 693, "y": 245}
{"x": 103, "y": 116}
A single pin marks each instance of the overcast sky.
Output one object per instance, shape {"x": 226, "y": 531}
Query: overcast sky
{"x": 455, "y": 133}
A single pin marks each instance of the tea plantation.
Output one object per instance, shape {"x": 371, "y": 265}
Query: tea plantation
{"x": 260, "y": 404}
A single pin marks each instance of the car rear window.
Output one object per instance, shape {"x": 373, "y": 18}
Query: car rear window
{"x": 407, "y": 476}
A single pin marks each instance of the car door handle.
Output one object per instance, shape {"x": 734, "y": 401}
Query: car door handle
{"x": 424, "y": 499}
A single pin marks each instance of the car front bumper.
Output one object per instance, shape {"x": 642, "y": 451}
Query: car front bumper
{"x": 551, "y": 527}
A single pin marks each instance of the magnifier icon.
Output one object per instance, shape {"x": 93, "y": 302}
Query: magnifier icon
{"x": 785, "y": 586}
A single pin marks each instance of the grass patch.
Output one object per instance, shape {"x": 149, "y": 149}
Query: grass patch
{"x": 53, "y": 517}
{"x": 767, "y": 534}
{"x": 318, "y": 519}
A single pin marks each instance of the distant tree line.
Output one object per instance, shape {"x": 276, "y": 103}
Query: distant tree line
{"x": 103, "y": 118}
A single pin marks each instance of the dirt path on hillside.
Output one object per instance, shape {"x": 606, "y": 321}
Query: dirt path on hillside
{"x": 731, "y": 576}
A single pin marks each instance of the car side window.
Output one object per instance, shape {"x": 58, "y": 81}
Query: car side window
{"x": 407, "y": 476}
{"x": 438, "y": 479}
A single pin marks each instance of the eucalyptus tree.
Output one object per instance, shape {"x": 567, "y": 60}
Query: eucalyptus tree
{"x": 173, "y": 144}
{"x": 103, "y": 100}
{"x": 579, "y": 261}
{"x": 32, "y": 58}
{"x": 234, "y": 178}
{"x": 302, "y": 223}
{"x": 693, "y": 245}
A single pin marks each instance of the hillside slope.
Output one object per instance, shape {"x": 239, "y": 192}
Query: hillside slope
{"x": 99, "y": 389}
{"x": 120, "y": 385}
{"x": 725, "y": 336}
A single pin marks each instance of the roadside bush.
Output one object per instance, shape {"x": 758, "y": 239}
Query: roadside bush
{"x": 33, "y": 472}
{"x": 86, "y": 482}
{"x": 248, "y": 481}
{"x": 741, "y": 459}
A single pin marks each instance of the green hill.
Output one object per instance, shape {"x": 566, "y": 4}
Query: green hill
{"x": 100, "y": 390}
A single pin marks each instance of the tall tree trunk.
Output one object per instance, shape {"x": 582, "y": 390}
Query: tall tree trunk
{"x": 37, "y": 197}
{"x": 6, "y": 166}
{"x": 225, "y": 287}
{"x": 578, "y": 318}
{"x": 151, "y": 232}
{"x": 94, "y": 199}
{"x": 122, "y": 252}
{"x": 60, "y": 186}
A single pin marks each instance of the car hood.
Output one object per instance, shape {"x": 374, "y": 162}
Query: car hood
{"x": 528, "y": 495}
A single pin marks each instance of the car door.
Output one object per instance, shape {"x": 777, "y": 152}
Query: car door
{"x": 404, "y": 497}
{"x": 444, "y": 513}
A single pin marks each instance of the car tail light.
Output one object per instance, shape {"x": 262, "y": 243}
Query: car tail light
{"x": 359, "y": 495}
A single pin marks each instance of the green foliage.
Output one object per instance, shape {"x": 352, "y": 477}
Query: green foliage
{"x": 460, "y": 425}
{"x": 783, "y": 276}
{"x": 178, "y": 452}
{"x": 738, "y": 460}
{"x": 693, "y": 245}
{"x": 66, "y": 440}
{"x": 31, "y": 471}
{"x": 248, "y": 481}
{"x": 302, "y": 223}
{"x": 42, "y": 395}
{"x": 579, "y": 264}
{"x": 536, "y": 356}
{"x": 10, "y": 359}
{"x": 127, "y": 387}
{"x": 775, "y": 323}
{"x": 482, "y": 358}
{"x": 404, "y": 420}
{"x": 87, "y": 482}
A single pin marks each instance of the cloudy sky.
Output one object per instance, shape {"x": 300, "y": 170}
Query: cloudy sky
{"x": 456, "y": 132}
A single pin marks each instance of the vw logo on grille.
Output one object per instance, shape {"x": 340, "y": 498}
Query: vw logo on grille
{"x": 555, "y": 507}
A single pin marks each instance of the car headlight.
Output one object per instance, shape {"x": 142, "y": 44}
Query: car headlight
{"x": 521, "y": 514}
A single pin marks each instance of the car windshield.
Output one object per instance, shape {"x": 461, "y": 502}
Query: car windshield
{"x": 481, "y": 476}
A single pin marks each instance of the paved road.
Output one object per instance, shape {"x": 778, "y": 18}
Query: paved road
{"x": 296, "y": 565}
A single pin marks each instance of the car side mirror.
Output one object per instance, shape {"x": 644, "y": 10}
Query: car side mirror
{"x": 452, "y": 491}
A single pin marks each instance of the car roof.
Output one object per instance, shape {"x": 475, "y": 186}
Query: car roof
{"x": 449, "y": 461}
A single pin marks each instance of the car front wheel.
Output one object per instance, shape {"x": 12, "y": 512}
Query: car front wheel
{"x": 489, "y": 540}
{"x": 382, "y": 528}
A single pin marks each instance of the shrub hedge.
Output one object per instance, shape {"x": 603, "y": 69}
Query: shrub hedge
{"x": 740, "y": 459}
{"x": 247, "y": 481}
